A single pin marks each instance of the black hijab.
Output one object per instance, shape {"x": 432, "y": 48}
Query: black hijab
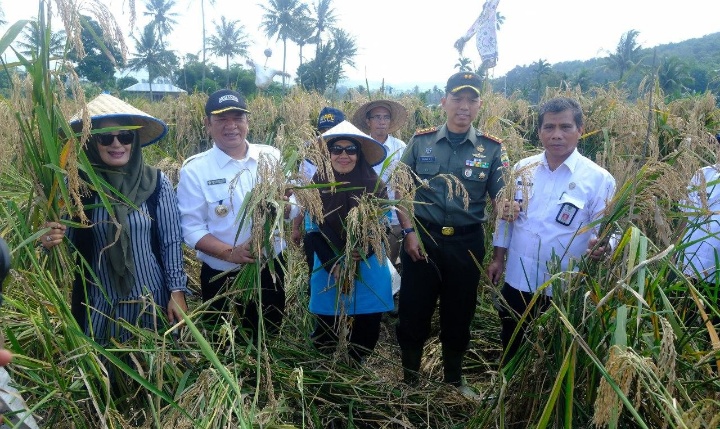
{"x": 337, "y": 202}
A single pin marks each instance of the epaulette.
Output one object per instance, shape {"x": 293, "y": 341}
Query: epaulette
{"x": 422, "y": 131}
{"x": 491, "y": 137}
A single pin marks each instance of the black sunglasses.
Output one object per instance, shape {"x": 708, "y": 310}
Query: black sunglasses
{"x": 337, "y": 150}
{"x": 124, "y": 137}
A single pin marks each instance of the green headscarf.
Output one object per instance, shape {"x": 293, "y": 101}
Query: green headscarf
{"x": 136, "y": 181}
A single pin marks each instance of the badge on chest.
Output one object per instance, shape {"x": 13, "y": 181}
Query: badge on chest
{"x": 567, "y": 213}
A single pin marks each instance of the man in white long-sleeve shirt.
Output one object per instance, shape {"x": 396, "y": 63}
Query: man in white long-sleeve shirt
{"x": 564, "y": 193}
{"x": 213, "y": 185}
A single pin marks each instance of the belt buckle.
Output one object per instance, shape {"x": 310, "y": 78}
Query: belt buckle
{"x": 447, "y": 230}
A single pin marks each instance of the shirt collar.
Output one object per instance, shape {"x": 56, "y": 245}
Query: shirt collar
{"x": 470, "y": 135}
{"x": 224, "y": 159}
{"x": 570, "y": 162}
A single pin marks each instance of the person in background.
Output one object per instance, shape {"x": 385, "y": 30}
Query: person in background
{"x": 451, "y": 232}
{"x": 352, "y": 155}
{"x": 565, "y": 192}
{"x": 702, "y": 237}
{"x": 379, "y": 119}
{"x": 213, "y": 186}
{"x": 134, "y": 250}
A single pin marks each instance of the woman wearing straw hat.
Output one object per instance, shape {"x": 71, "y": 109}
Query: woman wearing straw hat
{"x": 134, "y": 250}
{"x": 379, "y": 119}
{"x": 362, "y": 293}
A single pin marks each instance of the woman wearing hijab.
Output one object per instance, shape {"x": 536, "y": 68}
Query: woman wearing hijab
{"x": 134, "y": 252}
{"x": 352, "y": 155}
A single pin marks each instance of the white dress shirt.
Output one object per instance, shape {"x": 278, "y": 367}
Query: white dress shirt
{"x": 395, "y": 148}
{"x": 561, "y": 204}
{"x": 702, "y": 238}
{"x": 211, "y": 179}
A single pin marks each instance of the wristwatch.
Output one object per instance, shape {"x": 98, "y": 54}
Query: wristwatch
{"x": 406, "y": 231}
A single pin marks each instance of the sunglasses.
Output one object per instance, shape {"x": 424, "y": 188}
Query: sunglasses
{"x": 337, "y": 150}
{"x": 124, "y": 137}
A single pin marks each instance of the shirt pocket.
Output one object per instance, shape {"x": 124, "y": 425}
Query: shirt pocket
{"x": 570, "y": 211}
{"x": 474, "y": 179}
{"x": 427, "y": 170}
{"x": 218, "y": 201}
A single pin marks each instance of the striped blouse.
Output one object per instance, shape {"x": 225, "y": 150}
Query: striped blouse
{"x": 154, "y": 280}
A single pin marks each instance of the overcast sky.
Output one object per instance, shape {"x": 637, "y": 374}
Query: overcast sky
{"x": 409, "y": 42}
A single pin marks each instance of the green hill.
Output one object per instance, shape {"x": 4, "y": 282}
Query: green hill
{"x": 684, "y": 68}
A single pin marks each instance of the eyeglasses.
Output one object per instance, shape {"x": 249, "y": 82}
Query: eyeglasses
{"x": 381, "y": 117}
{"x": 124, "y": 137}
{"x": 337, "y": 150}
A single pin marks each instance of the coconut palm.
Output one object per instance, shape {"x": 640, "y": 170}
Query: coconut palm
{"x": 30, "y": 42}
{"x": 540, "y": 68}
{"x": 324, "y": 18}
{"x": 673, "y": 75}
{"x": 151, "y": 56}
{"x": 302, "y": 33}
{"x": 627, "y": 54}
{"x": 230, "y": 41}
{"x": 345, "y": 51}
{"x": 202, "y": 14}
{"x": 279, "y": 18}
{"x": 463, "y": 64}
{"x": 163, "y": 19}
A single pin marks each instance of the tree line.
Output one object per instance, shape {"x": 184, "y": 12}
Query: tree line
{"x": 290, "y": 21}
{"x": 687, "y": 68}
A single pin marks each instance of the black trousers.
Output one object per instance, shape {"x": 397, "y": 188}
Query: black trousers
{"x": 272, "y": 296}
{"x": 450, "y": 275}
{"x": 364, "y": 333}
{"x": 510, "y": 314}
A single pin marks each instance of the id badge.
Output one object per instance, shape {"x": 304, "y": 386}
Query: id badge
{"x": 566, "y": 214}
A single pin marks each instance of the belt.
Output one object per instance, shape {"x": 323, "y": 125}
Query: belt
{"x": 450, "y": 230}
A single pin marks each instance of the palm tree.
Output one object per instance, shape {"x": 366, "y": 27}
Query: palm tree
{"x": 31, "y": 41}
{"x": 278, "y": 19}
{"x": 626, "y": 55}
{"x": 541, "y": 68}
{"x": 204, "y": 62}
{"x": 325, "y": 70}
{"x": 230, "y": 41}
{"x": 151, "y": 56}
{"x": 463, "y": 64}
{"x": 302, "y": 33}
{"x": 324, "y": 19}
{"x": 163, "y": 19}
{"x": 673, "y": 76}
{"x": 345, "y": 51}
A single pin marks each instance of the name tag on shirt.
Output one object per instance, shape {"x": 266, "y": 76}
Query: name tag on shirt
{"x": 566, "y": 214}
{"x": 216, "y": 182}
{"x": 427, "y": 159}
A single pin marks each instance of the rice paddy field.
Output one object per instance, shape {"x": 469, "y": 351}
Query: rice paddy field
{"x": 628, "y": 343}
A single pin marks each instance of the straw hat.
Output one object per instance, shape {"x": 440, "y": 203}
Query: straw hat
{"x": 373, "y": 151}
{"x": 398, "y": 115}
{"x": 105, "y": 106}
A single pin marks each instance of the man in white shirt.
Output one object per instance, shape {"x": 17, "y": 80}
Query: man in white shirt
{"x": 213, "y": 185}
{"x": 379, "y": 119}
{"x": 560, "y": 192}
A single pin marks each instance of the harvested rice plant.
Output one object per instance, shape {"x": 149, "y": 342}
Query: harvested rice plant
{"x": 626, "y": 343}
